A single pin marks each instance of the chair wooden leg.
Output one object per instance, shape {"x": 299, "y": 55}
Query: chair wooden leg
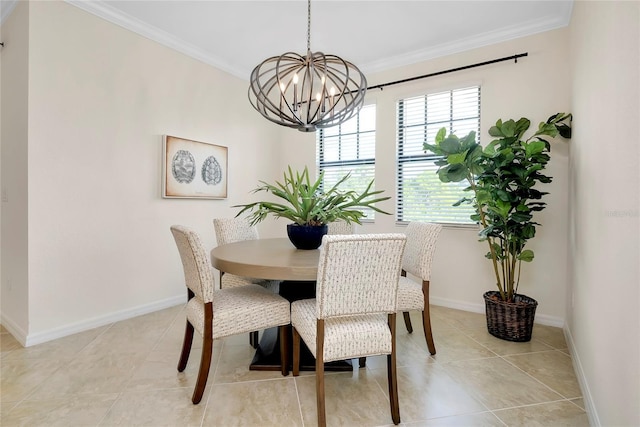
{"x": 186, "y": 347}
{"x": 207, "y": 351}
{"x": 407, "y": 321}
{"x": 322, "y": 416}
{"x": 253, "y": 339}
{"x": 284, "y": 350}
{"x": 405, "y": 314}
{"x": 392, "y": 373}
{"x": 362, "y": 362}
{"x": 426, "y": 319}
{"x": 296, "y": 353}
{"x": 187, "y": 341}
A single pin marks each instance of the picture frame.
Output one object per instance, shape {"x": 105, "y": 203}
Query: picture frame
{"x": 193, "y": 169}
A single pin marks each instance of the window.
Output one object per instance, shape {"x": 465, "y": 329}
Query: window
{"x": 349, "y": 147}
{"x": 421, "y": 195}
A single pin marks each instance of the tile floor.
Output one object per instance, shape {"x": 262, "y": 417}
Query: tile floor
{"x": 125, "y": 374}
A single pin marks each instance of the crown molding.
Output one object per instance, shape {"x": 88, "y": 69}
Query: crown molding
{"x": 151, "y": 32}
{"x": 462, "y": 45}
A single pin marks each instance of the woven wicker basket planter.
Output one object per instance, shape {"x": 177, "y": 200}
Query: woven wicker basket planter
{"x": 511, "y": 321}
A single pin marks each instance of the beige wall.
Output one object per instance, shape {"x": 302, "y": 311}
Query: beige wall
{"x": 603, "y": 323}
{"x": 14, "y": 134}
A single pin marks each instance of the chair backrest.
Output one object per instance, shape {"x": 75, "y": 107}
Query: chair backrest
{"x": 230, "y": 230}
{"x": 341, "y": 227}
{"x": 421, "y": 246}
{"x": 358, "y": 274}
{"x": 195, "y": 262}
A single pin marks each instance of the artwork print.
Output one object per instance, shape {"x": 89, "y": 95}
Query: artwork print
{"x": 193, "y": 169}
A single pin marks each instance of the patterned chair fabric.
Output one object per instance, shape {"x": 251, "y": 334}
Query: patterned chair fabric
{"x": 354, "y": 312}
{"x": 356, "y": 336}
{"x": 418, "y": 257}
{"x": 341, "y": 227}
{"x": 220, "y": 313}
{"x": 352, "y": 270}
{"x": 231, "y": 230}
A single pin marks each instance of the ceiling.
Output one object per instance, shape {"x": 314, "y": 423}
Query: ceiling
{"x": 375, "y": 35}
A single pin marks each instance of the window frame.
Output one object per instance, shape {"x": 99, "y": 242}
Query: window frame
{"x": 429, "y": 158}
{"x": 323, "y": 165}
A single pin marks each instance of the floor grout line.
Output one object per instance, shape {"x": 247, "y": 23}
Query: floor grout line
{"x": 536, "y": 379}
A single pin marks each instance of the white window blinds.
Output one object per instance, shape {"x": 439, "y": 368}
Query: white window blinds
{"x": 349, "y": 147}
{"x": 421, "y": 195}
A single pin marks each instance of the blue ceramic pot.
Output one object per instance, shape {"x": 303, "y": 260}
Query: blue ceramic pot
{"x": 306, "y": 236}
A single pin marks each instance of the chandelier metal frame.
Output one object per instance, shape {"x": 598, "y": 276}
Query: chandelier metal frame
{"x": 307, "y": 92}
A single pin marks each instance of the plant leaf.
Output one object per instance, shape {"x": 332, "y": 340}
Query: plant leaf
{"x": 522, "y": 125}
{"x": 509, "y": 128}
{"x": 450, "y": 145}
{"x": 456, "y": 158}
{"x": 526, "y": 255}
{"x": 535, "y": 147}
{"x": 456, "y": 173}
{"x": 564, "y": 130}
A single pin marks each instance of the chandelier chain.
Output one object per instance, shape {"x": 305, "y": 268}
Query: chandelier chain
{"x": 308, "y": 25}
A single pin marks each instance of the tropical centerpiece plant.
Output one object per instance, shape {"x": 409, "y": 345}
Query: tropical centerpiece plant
{"x": 306, "y": 204}
{"x": 502, "y": 180}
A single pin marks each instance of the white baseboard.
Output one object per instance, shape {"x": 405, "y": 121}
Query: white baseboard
{"x": 458, "y": 305}
{"x": 594, "y": 420}
{"x": 545, "y": 319}
{"x": 17, "y": 332}
{"x": 28, "y": 340}
{"x": 542, "y": 319}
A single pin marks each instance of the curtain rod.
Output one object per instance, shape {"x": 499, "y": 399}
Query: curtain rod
{"x": 437, "y": 73}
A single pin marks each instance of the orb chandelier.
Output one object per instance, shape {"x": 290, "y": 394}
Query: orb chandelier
{"x": 307, "y": 92}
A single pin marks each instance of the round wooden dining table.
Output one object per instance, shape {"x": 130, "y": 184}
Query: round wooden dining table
{"x": 273, "y": 259}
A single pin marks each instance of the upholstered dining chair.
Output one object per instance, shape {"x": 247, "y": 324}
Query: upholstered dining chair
{"x": 354, "y": 312}
{"x": 422, "y": 238}
{"x": 221, "y": 313}
{"x": 231, "y": 230}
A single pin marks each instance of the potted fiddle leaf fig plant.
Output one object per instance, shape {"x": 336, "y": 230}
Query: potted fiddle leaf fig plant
{"x": 503, "y": 178}
{"x": 309, "y": 207}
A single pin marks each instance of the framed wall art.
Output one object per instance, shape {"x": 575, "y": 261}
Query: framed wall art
{"x": 193, "y": 169}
